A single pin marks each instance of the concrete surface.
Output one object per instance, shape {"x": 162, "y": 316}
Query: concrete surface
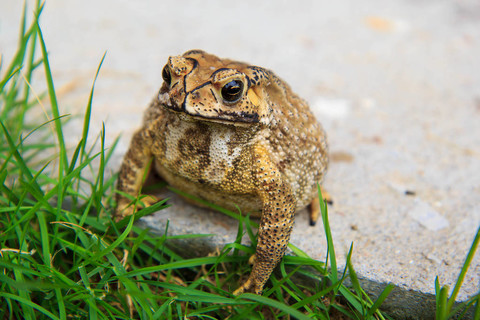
{"x": 396, "y": 85}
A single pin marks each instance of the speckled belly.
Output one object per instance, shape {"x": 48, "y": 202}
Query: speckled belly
{"x": 248, "y": 203}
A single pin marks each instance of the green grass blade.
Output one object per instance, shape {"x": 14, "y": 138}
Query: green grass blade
{"x": 461, "y": 309}
{"x": 438, "y": 302}
{"x": 28, "y": 303}
{"x": 463, "y": 272}
{"x": 328, "y": 234}
{"x": 359, "y": 301}
{"x": 161, "y": 311}
{"x": 24, "y": 39}
{"x": 187, "y": 263}
{"x": 75, "y": 156}
{"x": 45, "y": 242}
{"x": 286, "y": 278}
{"x": 314, "y": 297}
{"x": 437, "y": 288}
{"x": 17, "y": 267}
{"x": 8, "y": 78}
{"x": 30, "y": 67}
{"x": 54, "y": 105}
{"x": 20, "y": 162}
{"x": 351, "y": 298}
{"x": 101, "y": 170}
{"x": 293, "y": 261}
{"x": 24, "y": 294}
{"x": 476, "y": 315}
{"x": 90, "y": 300}
{"x": 139, "y": 240}
{"x": 442, "y": 308}
{"x": 88, "y": 111}
{"x": 106, "y": 247}
{"x": 380, "y": 300}
{"x": 274, "y": 304}
{"x": 143, "y": 212}
{"x": 186, "y": 292}
{"x": 353, "y": 275}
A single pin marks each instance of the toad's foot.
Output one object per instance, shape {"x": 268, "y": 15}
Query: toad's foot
{"x": 315, "y": 206}
{"x": 126, "y": 208}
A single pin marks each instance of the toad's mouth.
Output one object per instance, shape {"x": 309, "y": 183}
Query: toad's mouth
{"x": 166, "y": 102}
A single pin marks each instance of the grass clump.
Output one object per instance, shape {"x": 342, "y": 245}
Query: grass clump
{"x": 62, "y": 256}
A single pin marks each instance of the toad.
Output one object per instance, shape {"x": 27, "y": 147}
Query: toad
{"x": 233, "y": 134}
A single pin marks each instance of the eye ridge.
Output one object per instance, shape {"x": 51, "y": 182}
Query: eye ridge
{"x": 232, "y": 91}
{"x": 166, "y": 75}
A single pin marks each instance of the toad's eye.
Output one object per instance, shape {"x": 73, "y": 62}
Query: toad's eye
{"x": 232, "y": 91}
{"x": 167, "y": 77}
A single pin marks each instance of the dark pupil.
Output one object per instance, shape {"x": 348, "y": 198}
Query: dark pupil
{"x": 167, "y": 77}
{"x": 232, "y": 91}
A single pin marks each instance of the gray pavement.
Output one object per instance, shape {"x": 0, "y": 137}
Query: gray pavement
{"x": 395, "y": 84}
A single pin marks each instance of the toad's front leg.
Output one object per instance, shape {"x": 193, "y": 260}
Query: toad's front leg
{"x": 276, "y": 225}
{"x": 132, "y": 172}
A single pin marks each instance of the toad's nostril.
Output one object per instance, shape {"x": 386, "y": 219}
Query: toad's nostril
{"x": 195, "y": 95}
